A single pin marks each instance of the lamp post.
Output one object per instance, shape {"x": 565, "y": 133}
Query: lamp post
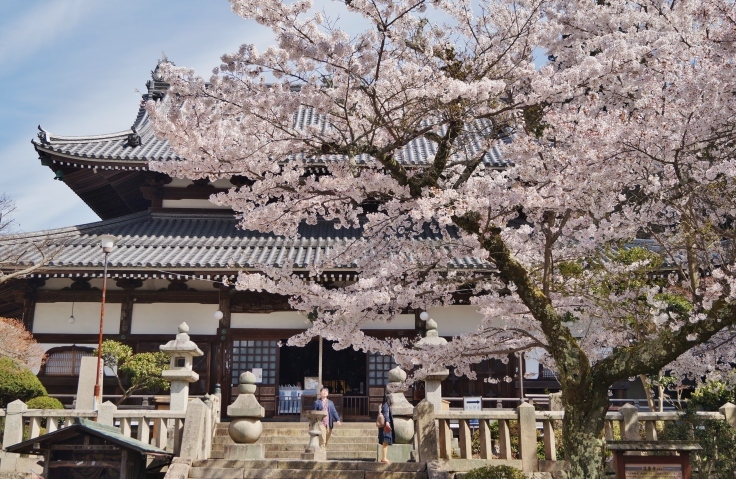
{"x": 107, "y": 243}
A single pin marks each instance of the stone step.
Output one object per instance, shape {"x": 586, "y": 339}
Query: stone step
{"x": 303, "y": 440}
{"x": 330, "y": 447}
{"x": 335, "y": 433}
{"x": 331, "y": 455}
{"x": 340, "y": 436}
{"x": 215, "y": 473}
{"x": 313, "y": 465}
{"x": 279, "y": 469}
{"x": 302, "y": 425}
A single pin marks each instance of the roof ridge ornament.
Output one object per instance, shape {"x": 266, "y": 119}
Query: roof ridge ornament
{"x": 43, "y": 136}
{"x": 134, "y": 138}
{"x": 156, "y": 85}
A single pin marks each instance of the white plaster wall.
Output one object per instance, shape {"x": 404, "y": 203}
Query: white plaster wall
{"x": 294, "y": 320}
{"x": 165, "y": 318}
{"x": 54, "y": 318}
{"x": 457, "y": 320}
{"x": 191, "y": 203}
{"x": 401, "y": 321}
{"x": 275, "y": 320}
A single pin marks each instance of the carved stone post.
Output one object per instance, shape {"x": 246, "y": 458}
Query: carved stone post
{"x": 182, "y": 350}
{"x": 245, "y": 422}
{"x": 403, "y": 414}
{"x": 433, "y": 381}
{"x": 314, "y": 452}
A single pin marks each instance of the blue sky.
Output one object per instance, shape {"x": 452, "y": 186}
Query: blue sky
{"x": 73, "y": 66}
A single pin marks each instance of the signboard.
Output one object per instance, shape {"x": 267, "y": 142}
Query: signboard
{"x": 258, "y": 373}
{"x": 472, "y": 404}
{"x": 311, "y": 384}
{"x": 653, "y": 471}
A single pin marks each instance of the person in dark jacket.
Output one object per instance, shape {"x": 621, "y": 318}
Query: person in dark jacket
{"x": 386, "y": 434}
{"x": 328, "y": 422}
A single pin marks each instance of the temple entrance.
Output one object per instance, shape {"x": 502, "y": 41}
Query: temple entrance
{"x": 343, "y": 372}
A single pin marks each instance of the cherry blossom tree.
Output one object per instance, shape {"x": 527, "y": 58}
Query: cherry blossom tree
{"x": 19, "y": 345}
{"x": 625, "y": 136}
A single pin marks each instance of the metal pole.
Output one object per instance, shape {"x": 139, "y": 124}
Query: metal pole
{"x": 98, "y": 381}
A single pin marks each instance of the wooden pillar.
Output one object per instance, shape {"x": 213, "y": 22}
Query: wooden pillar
{"x": 126, "y": 306}
{"x": 222, "y": 349}
{"x": 30, "y": 295}
{"x": 126, "y": 317}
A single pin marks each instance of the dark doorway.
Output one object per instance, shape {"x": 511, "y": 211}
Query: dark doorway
{"x": 343, "y": 371}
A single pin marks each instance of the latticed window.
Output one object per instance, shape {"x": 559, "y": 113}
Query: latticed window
{"x": 249, "y": 354}
{"x": 65, "y": 362}
{"x": 378, "y": 368}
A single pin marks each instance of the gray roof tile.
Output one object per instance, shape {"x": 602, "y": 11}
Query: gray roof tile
{"x": 206, "y": 241}
{"x": 115, "y": 147}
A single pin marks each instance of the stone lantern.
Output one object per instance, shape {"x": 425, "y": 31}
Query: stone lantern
{"x": 433, "y": 380}
{"x": 403, "y": 413}
{"x": 182, "y": 351}
{"x": 245, "y": 422}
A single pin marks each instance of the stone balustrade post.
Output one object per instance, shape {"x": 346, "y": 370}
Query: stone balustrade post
{"x": 106, "y": 413}
{"x": 426, "y": 431}
{"x": 729, "y": 411}
{"x": 527, "y": 437}
{"x": 245, "y": 422}
{"x": 13, "y": 433}
{"x": 194, "y": 431}
{"x": 314, "y": 452}
{"x": 630, "y": 430}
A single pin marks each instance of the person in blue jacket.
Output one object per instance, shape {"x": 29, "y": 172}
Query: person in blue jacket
{"x": 328, "y": 422}
{"x": 386, "y": 433}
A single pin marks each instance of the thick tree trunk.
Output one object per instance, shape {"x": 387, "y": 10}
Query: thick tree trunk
{"x": 583, "y": 430}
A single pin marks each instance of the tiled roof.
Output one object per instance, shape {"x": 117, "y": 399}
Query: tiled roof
{"x": 82, "y": 425}
{"x": 139, "y": 145}
{"x": 194, "y": 242}
{"x": 114, "y": 147}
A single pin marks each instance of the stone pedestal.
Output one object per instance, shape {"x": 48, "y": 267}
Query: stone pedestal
{"x": 244, "y": 451}
{"x": 314, "y": 452}
{"x": 181, "y": 350}
{"x": 245, "y": 422}
{"x": 397, "y": 452}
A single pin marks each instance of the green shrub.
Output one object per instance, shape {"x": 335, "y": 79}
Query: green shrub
{"x": 711, "y": 395}
{"x": 716, "y": 437}
{"x": 17, "y": 382}
{"x": 494, "y": 472}
{"x": 44, "y": 402}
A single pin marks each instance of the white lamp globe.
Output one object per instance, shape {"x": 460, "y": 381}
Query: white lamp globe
{"x": 424, "y": 316}
{"x": 218, "y": 315}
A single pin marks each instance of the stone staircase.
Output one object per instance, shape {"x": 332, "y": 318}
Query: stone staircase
{"x": 356, "y": 441}
{"x": 285, "y": 469}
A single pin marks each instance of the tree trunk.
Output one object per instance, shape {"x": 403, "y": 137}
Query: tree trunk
{"x": 583, "y": 431}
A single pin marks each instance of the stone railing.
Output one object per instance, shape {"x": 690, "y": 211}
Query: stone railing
{"x": 187, "y": 433}
{"x": 632, "y": 425}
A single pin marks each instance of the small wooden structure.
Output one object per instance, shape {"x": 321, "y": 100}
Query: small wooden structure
{"x": 672, "y": 459}
{"x": 88, "y": 450}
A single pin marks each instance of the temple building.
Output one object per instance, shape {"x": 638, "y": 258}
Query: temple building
{"x": 173, "y": 250}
